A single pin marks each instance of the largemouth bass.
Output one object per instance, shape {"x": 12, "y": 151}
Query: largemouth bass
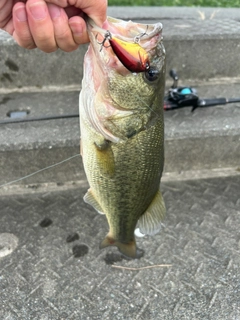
{"x": 122, "y": 129}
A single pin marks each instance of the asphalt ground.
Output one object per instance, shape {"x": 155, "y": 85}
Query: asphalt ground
{"x": 57, "y": 271}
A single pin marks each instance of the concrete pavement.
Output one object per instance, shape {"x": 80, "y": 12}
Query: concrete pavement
{"x": 49, "y": 277}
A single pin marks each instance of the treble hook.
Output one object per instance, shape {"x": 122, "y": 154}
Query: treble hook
{"x": 107, "y": 36}
{"x": 139, "y": 36}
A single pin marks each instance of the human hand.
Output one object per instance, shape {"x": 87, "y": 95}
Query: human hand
{"x": 50, "y": 24}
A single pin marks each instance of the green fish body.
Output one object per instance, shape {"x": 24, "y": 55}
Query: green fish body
{"x": 122, "y": 134}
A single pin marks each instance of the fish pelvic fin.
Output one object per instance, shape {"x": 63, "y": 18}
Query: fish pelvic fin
{"x": 128, "y": 250}
{"x": 151, "y": 221}
{"x": 90, "y": 199}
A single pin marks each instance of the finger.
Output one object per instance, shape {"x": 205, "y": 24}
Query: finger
{"x": 9, "y": 27}
{"x": 41, "y": 25}
{"x": 62, "y": 32}
{"x": 5, "y": 12}
{"x": 22, "y": 32}
{"x": 73, "y": 11}
{"x": 97, "y": 10}
{"x": 79, "y": 30}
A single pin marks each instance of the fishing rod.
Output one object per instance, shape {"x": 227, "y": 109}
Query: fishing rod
{"x": 21, "y": 119}
{"x": 177, "y": 97}
{"x": 180, "y": 97}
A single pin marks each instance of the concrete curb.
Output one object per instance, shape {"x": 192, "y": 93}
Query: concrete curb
{"x": 207, "y": 139}
{"x": 201, "y": 43}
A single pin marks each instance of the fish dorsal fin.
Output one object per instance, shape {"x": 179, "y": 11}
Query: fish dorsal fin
{"x": 150, "y": 222}
{"x": 90, "y": 199}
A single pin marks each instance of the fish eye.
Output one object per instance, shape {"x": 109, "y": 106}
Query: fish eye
{"x": 151, "y": 74}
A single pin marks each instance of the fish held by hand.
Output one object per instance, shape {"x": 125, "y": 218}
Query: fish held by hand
{"x": 122, "y": 128}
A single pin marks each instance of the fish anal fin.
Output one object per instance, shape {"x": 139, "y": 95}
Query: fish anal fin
{"x": 90, "y": 199}
{"x": 128, "y": 250}
{"x": 150, "y": 222}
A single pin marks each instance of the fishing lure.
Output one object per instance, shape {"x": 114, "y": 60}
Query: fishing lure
{"x": 132, "y": 55}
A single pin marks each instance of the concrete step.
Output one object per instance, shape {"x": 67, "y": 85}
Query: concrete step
{"x": 201, "y": 43}
{"x": 207, "y": 140}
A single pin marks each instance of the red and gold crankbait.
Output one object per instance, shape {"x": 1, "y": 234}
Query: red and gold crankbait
{"x": 132, "y": 55}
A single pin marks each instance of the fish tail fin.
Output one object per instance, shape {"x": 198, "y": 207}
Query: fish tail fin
{"x": 129, "y": 250}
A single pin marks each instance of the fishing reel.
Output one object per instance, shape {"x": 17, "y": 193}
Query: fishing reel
{"x": 179, "y": 97}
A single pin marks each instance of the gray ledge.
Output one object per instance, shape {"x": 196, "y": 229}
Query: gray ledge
{"x": 202, "y": 43}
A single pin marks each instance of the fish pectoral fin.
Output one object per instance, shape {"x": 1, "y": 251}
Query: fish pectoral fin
{"x": 105, "y": 157}
{"x": 90, "y": 199}
{"x": 150, "y": 222}
{"x": 128, "y": 250}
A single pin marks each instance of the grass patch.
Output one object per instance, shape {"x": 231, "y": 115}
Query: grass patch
{"x": 190, "y": 3}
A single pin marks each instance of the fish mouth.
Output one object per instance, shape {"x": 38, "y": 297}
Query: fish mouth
{"x": 127, "y": 30}
{"x": 147, "y": 36}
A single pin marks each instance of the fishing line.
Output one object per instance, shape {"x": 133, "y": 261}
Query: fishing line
{"x": 41, "y": 118}
{"x": 148, "y": 106}
{"x": 33, "y": 173}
